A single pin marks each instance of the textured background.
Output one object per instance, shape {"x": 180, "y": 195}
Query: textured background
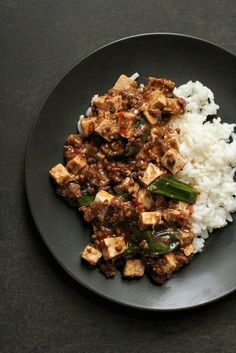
{"x": 41, "y": 308}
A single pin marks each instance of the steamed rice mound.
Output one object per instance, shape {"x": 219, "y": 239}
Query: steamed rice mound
{"x": 210, "y": 149}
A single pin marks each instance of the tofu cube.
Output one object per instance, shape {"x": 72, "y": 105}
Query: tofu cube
{"x": 172, "y": 137}
{"x": 155, "y": 153}
{"x": 151, "y": 173}
{"x": 173, "y": 161}
{"x": 156, "y": 132}
{"x": 115, "y": 102}
{"x": 188, "y": 250}
{"x": 171, "y": 262}
{"x": 128, "y": 185}
{"x": 150, "y": 118}
{"x": 105, "y": 128}
{"x": 107, "y": 102}
{"x": 124, "y": 82}
{"x": 103, "y": 196}
{"x": 174, "y": 106}
{"x": 91, "y": 255}
{"x": 150, "y": 218}
{"x": 100, "y": 102}
{"x": 133, "y": 268}
{"x": 60, "y": 174}
{"x": 157, "y": 99}
{"x": 127, "y": 123}
{"x": 145, "y": 198}
{"x": 112, "y": 247}
{"x": 88, "y": 125}
{"x": 76, "y": 164}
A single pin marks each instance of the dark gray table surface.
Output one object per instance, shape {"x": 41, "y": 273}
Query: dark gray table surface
{"x": 41, "y": 308}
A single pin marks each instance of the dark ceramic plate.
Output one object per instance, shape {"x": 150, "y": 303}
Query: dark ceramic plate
{"x": 211, "y": 275}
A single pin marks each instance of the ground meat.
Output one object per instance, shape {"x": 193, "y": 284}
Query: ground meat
{"x": 108, "y": 268}
{"x": 132, "y": 99}
{"x": 101, "y": 232}
{"x": 181, "y": 258}
{"x": 116, "y": 212}
{"x": 87, "y": 213}
{"x": 70, "y": 152}
{"x": 155, "y": 268}
{"x": 159, "y": 202}
{"x": 117, "y": 171}
{"x": 75, "y": 141}
{"x": 72, "y": 146}
{"x": 119, "y": 211}
{"x": 162, "y": 84}
{"x": 89, "y": 149}
{"x": 71, "y": 192}
{"x": 159, "y": 269}
{"x": 94, "y": 175}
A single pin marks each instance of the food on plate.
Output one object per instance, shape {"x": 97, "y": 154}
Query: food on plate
{"x": 150, "y": 174}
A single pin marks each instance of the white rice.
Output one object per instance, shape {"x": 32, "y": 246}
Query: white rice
{"x": 134, "y": 76}
{"x": 79, "y": 125}
{"x": 210, "y": 149}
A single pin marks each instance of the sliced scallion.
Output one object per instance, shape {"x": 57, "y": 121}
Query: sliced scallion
{"x": 86, "y": 200}
{"x": 157, "y": 243}
{"x": 174, "y": 189}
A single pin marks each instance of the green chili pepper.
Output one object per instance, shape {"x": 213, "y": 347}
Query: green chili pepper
{"x": 173, "y": 189}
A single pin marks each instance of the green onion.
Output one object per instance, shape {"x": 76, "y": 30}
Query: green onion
{"x": 142, "y": 235}
{"x": 142, "y": 121}
{"x": 162, "y": 243}
{"x": 174, "y": 189}
{"x": 159, "y": 243}
{"x": 132, "y": 150}
{"x": 86, "y": 200}
{"x": 131, "y": 250}
{"x": 125, "y": 195}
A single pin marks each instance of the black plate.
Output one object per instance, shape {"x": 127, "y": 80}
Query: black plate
{"x": 211, "y": 275}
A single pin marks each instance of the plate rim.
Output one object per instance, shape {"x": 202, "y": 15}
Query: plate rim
{"x": 41, "y": 105}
